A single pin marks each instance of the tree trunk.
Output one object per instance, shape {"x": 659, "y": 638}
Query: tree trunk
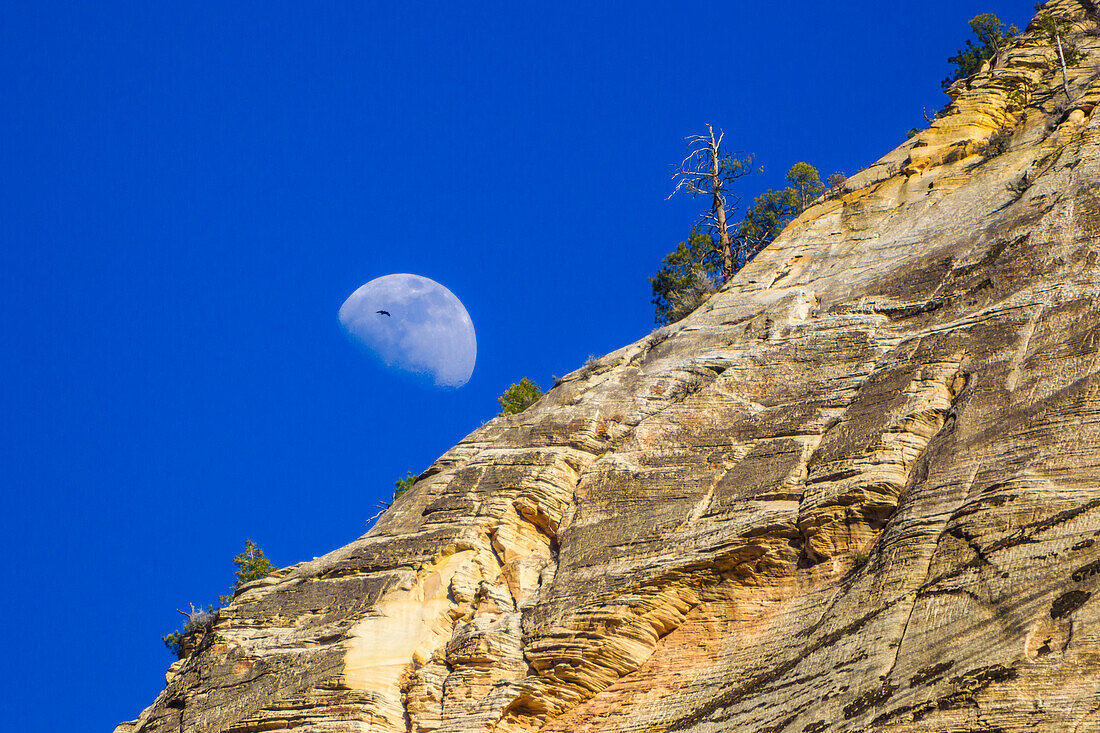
{"x": 1062, "y": 58}
{"x": 719, "y": 208}
{"x": 724, "y": 239}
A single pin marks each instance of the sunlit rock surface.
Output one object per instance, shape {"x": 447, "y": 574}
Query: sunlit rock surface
{"x": 859, "y": 489}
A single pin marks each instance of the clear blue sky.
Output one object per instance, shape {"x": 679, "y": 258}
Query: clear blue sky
{"x": 189, "y": 193}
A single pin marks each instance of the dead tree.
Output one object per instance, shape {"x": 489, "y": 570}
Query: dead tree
{"x": 709, "y": 169}
{"x": 1057, "y": 30}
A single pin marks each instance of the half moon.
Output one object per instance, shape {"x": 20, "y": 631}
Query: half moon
{"x": 427, "y": 331}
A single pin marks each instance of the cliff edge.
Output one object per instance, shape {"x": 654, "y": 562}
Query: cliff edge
{"x": 857, "y": 490}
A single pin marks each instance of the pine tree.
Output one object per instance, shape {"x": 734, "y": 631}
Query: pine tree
{"x": 991, "y": 35}
{"x": 519, "y": 397}
{"x": 402, "y": 485}
{"x": 709, "y": 169}
{"x": 806, "y": 182}
{"x": 252, "y": 564}
{"x": 693, "y": 271}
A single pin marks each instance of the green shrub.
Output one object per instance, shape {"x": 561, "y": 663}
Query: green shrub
{"x": 519, "y": 397}
{"x": 998, "y": 143}
{"x": 688, "y": 276}
{"x": 172, "y": 641}
{"x": 1018, "y": 98}
{"x": 404, "y": 484}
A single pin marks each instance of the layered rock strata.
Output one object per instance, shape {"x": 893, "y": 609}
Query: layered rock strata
{"x": 859, "y": 489}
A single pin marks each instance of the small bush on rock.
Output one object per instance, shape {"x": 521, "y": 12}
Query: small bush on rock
{"x": 998, "y": 143}
{"x": 404, "y": 484}
{"x": 519, "y": 397}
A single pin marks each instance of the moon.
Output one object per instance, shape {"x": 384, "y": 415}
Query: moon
{"x": 427, "y": 329}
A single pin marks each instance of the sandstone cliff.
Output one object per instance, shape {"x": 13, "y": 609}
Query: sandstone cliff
{"x": 859, "y": 489}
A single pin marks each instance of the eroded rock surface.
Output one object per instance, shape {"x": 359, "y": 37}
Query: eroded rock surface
{"x": 859, "y": 489}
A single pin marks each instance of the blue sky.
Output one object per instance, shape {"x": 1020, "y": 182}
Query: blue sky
{"x": 189, "y": 193}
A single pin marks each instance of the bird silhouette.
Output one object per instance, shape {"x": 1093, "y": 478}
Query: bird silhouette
{"x": 383, "y": 313}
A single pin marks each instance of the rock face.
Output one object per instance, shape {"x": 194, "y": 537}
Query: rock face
{"x": 859, "y": 489}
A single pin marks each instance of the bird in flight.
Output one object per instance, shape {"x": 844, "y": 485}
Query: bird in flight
{"x": 383, "y": 313}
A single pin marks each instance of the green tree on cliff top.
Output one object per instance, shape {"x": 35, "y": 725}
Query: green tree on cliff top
{"x": 709, "y": 169}
{"x": 402, "y": 485}
{"x": 692, "y": 272}
{"x": 252, "y": 564}
{"x": 519, "y": 397}
{"x": 992, "y": 36}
